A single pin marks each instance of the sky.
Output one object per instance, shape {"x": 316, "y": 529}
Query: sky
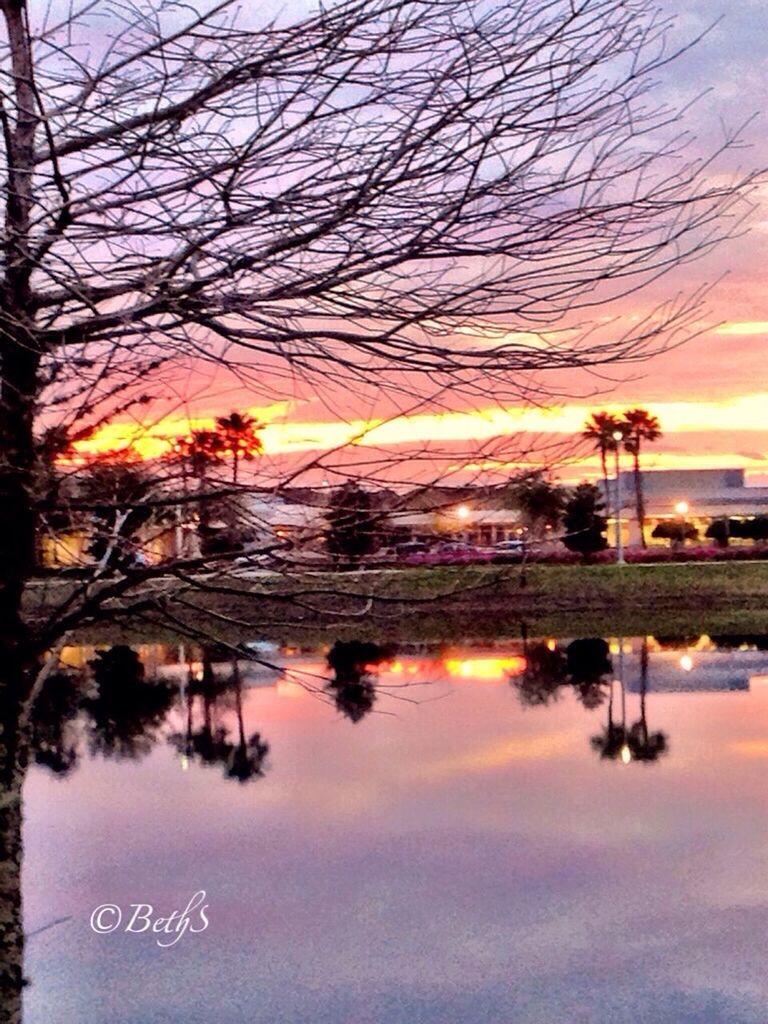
{"x": 711, "y": 394}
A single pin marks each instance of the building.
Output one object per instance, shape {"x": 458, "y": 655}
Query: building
{"x": 694, "y": 496}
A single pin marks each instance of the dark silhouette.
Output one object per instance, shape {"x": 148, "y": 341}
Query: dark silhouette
{"x": 352, "y": 686}
{"x": 584, "y": 522}
{"x": 545, "y": 673}
{"x": 539, "y": 500}
{"x": 639, "y": 425}
{"x": 354, "y": 525}
{"x": 645, "y": 746}
{"x": 239, "y": 435}
{"x": 612, "y": 743}
{"x": 210, "y": 745}
{"x": 589, "y": 663}
{"x": 675, "y": 530}
{"x": 54, "y": 735}
{"x": 14, "y": 746}
{"x": 125, "y": 713}
{"x": 599, "y": 430}
{"x": 246, "y": 759}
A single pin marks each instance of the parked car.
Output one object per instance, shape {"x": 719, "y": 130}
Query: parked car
{"x": 508, "y": 551}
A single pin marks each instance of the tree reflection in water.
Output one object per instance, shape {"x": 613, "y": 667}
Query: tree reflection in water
{"x": 242, "y": 759}
{"x": 617, "y": 742}
{"x": 583, "y": 666}
{"x": 353, "y": 686}
{"x": 125, "y": 712}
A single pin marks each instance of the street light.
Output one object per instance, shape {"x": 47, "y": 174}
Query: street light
{"x": 618, "y": 437}
{"x": 682, "y": 510}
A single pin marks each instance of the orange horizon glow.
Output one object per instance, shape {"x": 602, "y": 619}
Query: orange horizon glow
{"x": 281, "y": 435}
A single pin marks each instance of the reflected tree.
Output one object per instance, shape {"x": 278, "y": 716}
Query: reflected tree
{"x": 583, "y": 665}
{"x": 54, "y": 733}
{"x": 545, "y": 672}
{"x": 246, "y": 759}
{"x": 242, "y": 760}
{"x": 589, "y": 664}
{"x": 644, "y": 745}
{"x": 125, "y": 712}
{"x": 612, "y": 743}
{"x": 353, "y": 686}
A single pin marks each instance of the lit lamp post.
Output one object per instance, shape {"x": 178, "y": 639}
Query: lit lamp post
{"x": 682, "y": 510}
{"x": 462, "y": 513}
{"x": 618, "y": 437}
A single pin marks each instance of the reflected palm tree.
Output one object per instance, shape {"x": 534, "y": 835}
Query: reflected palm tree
{"x": 644, "y": 745}
{"x": 612, "y": 743}
{"x": 210, "y": 744}
{"x": 246, "y": 759}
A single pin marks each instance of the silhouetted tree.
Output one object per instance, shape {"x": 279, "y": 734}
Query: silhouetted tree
{"x": 675, "y": 531}
{"x": 639, "y": 426}
{"x": 584, "y": 522}
{"x": 540, "y": 501}
{"x": 599, "y": 430}
{"x": 354, "y": 525}
{"x": 240, "y": 438}
{"x": 117, "y": 494}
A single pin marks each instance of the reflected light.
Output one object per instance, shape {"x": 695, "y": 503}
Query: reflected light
{"x": 485, "y": 668}
{"x": 626, "y": 754}
{"x": 686, "y": 663}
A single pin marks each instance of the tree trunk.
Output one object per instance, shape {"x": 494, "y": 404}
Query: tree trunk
{"x": 19, "y": 358}
{"x": 639, "y": 496}
{"x": 13, "y": 759}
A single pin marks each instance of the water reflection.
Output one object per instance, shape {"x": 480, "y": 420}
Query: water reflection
{"x": 353, "y": 685}
{"x": 242, "y": 758}
{"x": 202, "y": 706}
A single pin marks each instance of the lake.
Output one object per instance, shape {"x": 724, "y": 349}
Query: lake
{"x": 532, "y": 832}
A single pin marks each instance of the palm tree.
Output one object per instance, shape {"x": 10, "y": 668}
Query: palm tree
{"x": 599, "y": 429}
{"x": 639, "y": 425}
{"x": 239, "y": 435}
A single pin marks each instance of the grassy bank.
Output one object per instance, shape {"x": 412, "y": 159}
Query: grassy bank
{"x": 477, "y": 602}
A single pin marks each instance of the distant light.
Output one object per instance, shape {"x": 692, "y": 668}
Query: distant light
{"x": 681, "y": 508}
{"x": 686, "y": 663}
{"x": 618, "y": 436}
{"x": 626, "y": 754}
{"x": 462, "y": 512}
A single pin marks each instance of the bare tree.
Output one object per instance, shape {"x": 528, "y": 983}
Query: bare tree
{"x": 428, "y": 194}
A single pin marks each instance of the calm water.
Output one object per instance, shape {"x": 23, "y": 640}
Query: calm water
{"x": 507, "y": 837}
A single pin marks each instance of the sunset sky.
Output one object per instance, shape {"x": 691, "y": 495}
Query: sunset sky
{"x": 711, "y": 394}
